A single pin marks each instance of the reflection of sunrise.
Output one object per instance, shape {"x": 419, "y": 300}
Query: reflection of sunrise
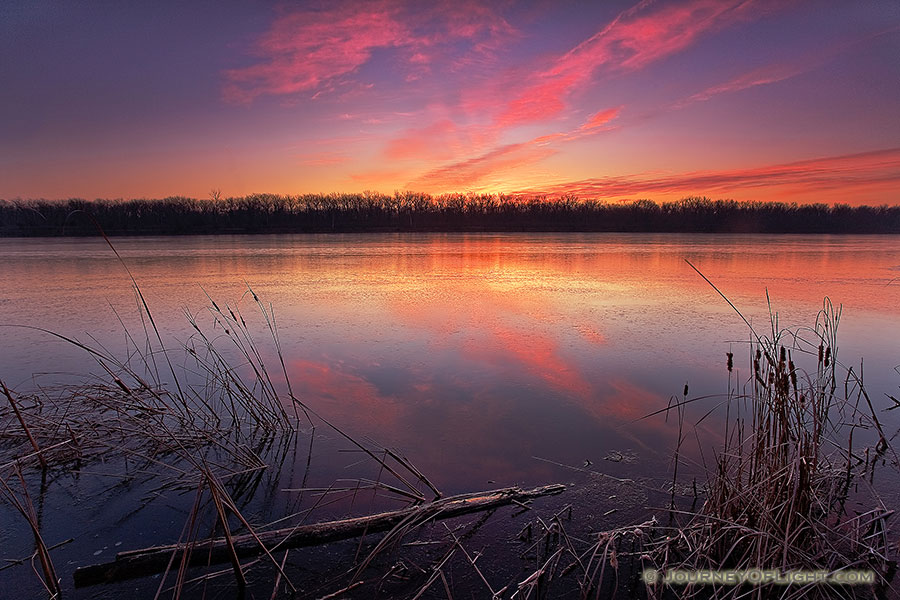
{"x": 759, "y": 100}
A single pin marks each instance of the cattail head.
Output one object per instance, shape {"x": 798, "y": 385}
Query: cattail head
{"x": 827, "y": 356}
{"x": 730, "y": 363}
{"x": 685, "y": 390}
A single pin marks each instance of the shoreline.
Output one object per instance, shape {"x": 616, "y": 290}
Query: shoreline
{"x": 411, "y": 212}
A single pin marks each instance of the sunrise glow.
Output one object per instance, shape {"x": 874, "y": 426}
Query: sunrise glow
{"x": 746, "y": 99}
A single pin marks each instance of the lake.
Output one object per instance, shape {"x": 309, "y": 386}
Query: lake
{"x": 486, "y": 359}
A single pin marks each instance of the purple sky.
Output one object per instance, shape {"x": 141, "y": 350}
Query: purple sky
{"x": 753, "y": 100}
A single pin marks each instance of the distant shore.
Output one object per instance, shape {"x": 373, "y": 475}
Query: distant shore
{"x": 412, "y": 212}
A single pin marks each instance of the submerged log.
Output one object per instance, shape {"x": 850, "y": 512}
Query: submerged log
{"x": 146, "y": 561}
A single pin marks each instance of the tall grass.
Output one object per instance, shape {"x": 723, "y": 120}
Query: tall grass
{"x": 789, "y": 489}
{"x": 779, "y": 490}
{"x": 214, "y": 419}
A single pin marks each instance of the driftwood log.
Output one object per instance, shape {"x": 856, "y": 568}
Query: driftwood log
{"x": 146, "y": 561}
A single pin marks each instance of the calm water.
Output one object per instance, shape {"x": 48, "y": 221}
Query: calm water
{"x": 471, "y": 353}
{"x": 475, "y": 355}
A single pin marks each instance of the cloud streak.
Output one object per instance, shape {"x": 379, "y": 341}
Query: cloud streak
{"x": 757, "y": 77}
{"x": 775, "y": 73}
{"x": 483, "y": 171}
{"x": 863, "y": 169}
{"x": 601, "y": 119}
{"x": 307, "y": 50}
{"x": 489, "y": 169}
{"x": 635, "y": 39}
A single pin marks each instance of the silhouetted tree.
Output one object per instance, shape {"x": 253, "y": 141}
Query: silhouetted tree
{"x": 410, "y": 211}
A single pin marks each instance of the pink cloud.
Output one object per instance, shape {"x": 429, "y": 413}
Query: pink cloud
{"x": 762, "y": 76}
{"x": 436, "y": 141}
{"x": 540, "y": 101}
{"x": 847, "y": 171}
{"x": 476, "y": 173}
{"x": 600, "y": 119}
{"x": 305, "y": 50}
{"x": 346, "y": 36}
{"x": 636, "y": 38}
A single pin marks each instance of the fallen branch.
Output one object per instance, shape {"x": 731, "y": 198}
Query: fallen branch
{"x": 136, "y": 563}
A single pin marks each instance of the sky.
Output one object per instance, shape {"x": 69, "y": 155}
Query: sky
{"x": 767, "y": 100}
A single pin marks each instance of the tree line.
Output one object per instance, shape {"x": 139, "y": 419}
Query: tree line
{"x": 406, "y": 211}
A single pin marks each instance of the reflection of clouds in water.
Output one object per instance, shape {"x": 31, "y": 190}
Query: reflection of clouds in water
{"x": 341, "y": 395}
{"x": 481, "y": 409}
{"x": 526, "y": 355}
{"x": 474, "y": 352}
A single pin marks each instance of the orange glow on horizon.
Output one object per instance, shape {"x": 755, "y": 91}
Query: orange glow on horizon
{"x": 754, "y": 100}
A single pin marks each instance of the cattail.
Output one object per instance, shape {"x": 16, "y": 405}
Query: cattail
{"x": 730, "y": 361}
{"x": 821, "y": 349}
{"x": 793, "y": 375}
{"x": 827, "y": 355}
{"x": 685, "y": 390}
